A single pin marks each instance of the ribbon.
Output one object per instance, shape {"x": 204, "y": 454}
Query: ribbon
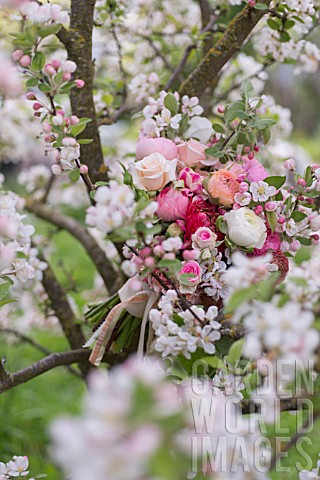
{"x": 103, "y": 334}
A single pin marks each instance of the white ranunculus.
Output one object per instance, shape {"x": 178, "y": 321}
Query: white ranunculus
{"x": 153, "y": 172}
{"x": 200, "y": 128}
{"x": 245, "y": 228}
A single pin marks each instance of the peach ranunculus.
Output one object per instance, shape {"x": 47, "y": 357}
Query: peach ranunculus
{"x": 153, "y": 172}
{"x": 147, "y": 146}
{"x": 223, "y": 186}
{"x": 191, "y": 153}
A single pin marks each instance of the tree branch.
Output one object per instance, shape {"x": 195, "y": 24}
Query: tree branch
{"x": 52, "y": 361}
{"x": 111, "y": 278}
{"x": 78, "y": 42}
{"x": 229, "y": 44}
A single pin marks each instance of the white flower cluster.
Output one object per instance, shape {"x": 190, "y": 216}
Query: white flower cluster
{"x": 286, "y": 330}
{"x": 17, "y": 467}
{"x": 314, "y": 474}
{"x": 178, "y": 331}
{"x": 142, "y": 86}
{"x": 15, "y": 239}
{"x": 114, "y": 205}
{"x": 34, "y": 178}
{"x": 213, "y": 275}
{"x": 229, "y": 383}
{"x": 47, "y": 13}
{"x": 122, "y": 426}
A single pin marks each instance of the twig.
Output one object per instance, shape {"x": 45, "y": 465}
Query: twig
{"x": 52, "y": 361}
{"x": 24, "y": 338}
{"x": 3, "y": 373}
{"x": 229, "y": 44}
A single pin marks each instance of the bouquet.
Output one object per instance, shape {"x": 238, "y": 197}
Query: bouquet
{"x": 204, "y": 225}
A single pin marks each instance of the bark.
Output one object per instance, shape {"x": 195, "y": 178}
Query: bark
{"x": 226, "y": 47}
{"x": 78, "y": 42}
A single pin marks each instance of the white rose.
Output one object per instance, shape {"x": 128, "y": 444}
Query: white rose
{"x": 153, "y": 172}
{"x": 200, "y": 128}
{"x": 245, "y": 228}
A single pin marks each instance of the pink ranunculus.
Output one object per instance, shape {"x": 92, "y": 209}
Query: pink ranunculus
{"x": 172, "y": 204}
{"x": 204, "y": 238}
{"x": 188, "y": 284}
{"x": 147, "y": 146}
{"x": 192, "y": 180}
{"x": 255, "y": 170}
{"x": 192, "y": 152}
{"x": 272, "y": 242}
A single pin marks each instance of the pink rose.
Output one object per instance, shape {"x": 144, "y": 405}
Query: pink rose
{"x": 204, "y": 238}
{"x": 192, "y": 180}
{"x": 191, "y": 272}
{"x": 192, "y": 152}
{"x": 147, "y": 146}
{"x": 255, "y": 170}
{"x": 172, "y": 204}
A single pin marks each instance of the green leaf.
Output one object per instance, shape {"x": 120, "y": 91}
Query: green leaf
{"x": 38, "y": 61}
{"x": 51, "y": 30}
{"x": 4, "y": 289}
{"x": 77, "y": 129}
{"x": 261, "y": 6}
{"x": 298, "y": 216}
{"x": 289, "y": 24}
{"x": 266, "y": 134}
{"x": 10, "y": 300}
{"x": 85, "y": 141}
{"x": 122, "y": 233}
{"x": 235, "y": 352}
{"x": 308, "y": 176}
{"x": 74, "y": 175}
{"x": 304, "y": 241}
{"x": 285, "y": 37}
{"x": 262, "y": 123}
{"x": 247, "y": 90}
{"x": 222, "y": 225}
{"x": 171, "y": 103}
{"x": 234, "y": 110}
{"x": 276, "y": 181}
{"x": 44, "y": 88}
{"x": 214, "y": 152}
{"x": 101, "y": 184}
{"x": 32, "y": 82}
{"x": 217, "y": 127}
{"x": 274, "y": 24}
{"x": 272, "y": 220}
{"x": 238, "y": 297}
{"x": 172, "y": 265}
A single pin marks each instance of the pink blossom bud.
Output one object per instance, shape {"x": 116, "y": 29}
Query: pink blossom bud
{"x": 247, "y": 149}
{"x": 144, "y": 252}
{"x": 56, "y": 169}
{"x": 69, "y": 142}
{"x": 295, "y": 245}
{"x": 17, "y": 54}
{"x": 169, "y": 256}
{"x": 66, "y": 77}
{"x": 60, "y": 112}
{"x": 290, "y": 165}
{"x": 221, "y": 211}
{"x": 57, "y": 120}
{"x": 221, "y": 109}
{"x": 310, "y": 201}
{"x": 236, "y": 206}
{"x": 84, "y": 170}
{"x": 243, "y": 187}
{"x": 68, "y": 66}
{"x": 49, "y": 138}
{"x": 251, "y": 3}
{"x": 190, "y": 254}
{"x": 46, "y": 127}
{"x": 25, "y": 60}
{"x": 36, "y": 106}
{"x": 251, "y": 155}
{"x": 49, "y": 69}
{"x": 270, "y": 206}
{"x": 258, "y": 209}
{"x": 31, "y": 96}
{"x": 79, "y": 83}
{"x": 158, "y": 250}
{"x": 74, "y": 120}
{"x": 301, "y": 198}
{"x": 149, "y": 262}
{"x": 315, "y": 239}
{"x": 315, "y": 166}
{"x": 301, "y": 182}
{"x": 281, "y": 220}
{"x": 256, "y": 148}
{"x": 55, "y": 63}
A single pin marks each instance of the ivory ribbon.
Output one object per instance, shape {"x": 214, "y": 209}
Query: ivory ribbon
{"x": 103, "y": 334}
